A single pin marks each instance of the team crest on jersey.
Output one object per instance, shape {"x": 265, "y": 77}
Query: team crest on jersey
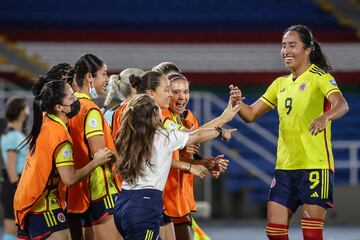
{"x": 66, "y": 153}
{"x": 171, "y": 125}
{"x": 333, "y": 82}
{"x": 282, "y": 90}
{"x": 302, "y": 86}
{"x": 93, "y": 123}
{"x": 273, "y": 183}
{"x": 61, "y": 217}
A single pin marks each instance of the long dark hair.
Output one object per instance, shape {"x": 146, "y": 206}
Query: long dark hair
{"x": 317, "y": 57}
{"x": 135, "y": 140}
{"x": 46, "y": 95}
{"x": 149, "y": 80}
{"x": 88, "y": 63}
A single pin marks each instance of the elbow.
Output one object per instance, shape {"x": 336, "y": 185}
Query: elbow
{"x": 69, "y": 182}
{"x": 346, "y": 108}
{"x": 249, "y": 119}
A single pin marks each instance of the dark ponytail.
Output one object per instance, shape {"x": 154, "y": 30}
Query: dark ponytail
{"x": 149, "y": 80}
{"x": 88, "y": 63}
{"x": 46, "y": 95}
{"x": 317, "y": 57}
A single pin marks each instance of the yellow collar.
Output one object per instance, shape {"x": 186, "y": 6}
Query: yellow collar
{"x": 56, "y": 119}
{"x": 82, "y": 95}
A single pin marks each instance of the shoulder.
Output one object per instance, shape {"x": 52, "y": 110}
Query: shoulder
{"x": 166, "y": 114}
{"x": 53, "y": 128}
{"x": 120, "y": 109}
{"x": 10, "y": 138}
{"x": 324, "y": 79}
{"x": 281, "y": 79}
{"x": 11, "y": 134}
{"x": 319, "y": 73}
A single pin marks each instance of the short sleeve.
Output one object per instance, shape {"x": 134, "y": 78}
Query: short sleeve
{"x": 327, "y": 85}
{"x": 11, "y": 141}
{"x": 178, "y": 139}
{"x": 64, "y": 155}
{"x": 270, "y": 96}
{"x": 93, "y": 124}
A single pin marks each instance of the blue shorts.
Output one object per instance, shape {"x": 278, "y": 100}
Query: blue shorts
{"x": 42, "y": 225}
{"x": 292, "y": 188}
{"x": 98, "y": 210}
{"x": 137, "y": 214}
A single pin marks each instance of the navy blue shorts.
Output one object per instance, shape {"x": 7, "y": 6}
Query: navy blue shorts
{"x": 98, "y": 210}
{"x": 42, "y": 225}
{"x": 292, "y": 188}
{"x": 137, "y": 214}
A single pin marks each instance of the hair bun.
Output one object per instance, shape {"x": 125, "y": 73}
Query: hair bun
{"x": 134, "y": 81}
{"x": 39, "y": 84}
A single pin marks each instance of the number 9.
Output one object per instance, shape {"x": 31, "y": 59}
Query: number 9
{"x": 288, "y": 105}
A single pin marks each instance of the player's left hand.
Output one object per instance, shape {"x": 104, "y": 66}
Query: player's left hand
{"x": 318, "y": 125}
{"x": 193, "y": 148}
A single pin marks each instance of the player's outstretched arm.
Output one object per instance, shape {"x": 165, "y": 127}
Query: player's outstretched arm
{"x": 248, "y": 113}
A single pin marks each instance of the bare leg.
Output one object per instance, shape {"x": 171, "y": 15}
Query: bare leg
{"x": 88, "y": 233}
{"x": 106, "y": 229}
{"x": 167, "y": 232}
{"x": 60, "y": 235}
{"x": 278, "y": 214}
{"x": 9, "y": 226}
{"x": 278, "y": 220}
{"x": 183, "y": 231}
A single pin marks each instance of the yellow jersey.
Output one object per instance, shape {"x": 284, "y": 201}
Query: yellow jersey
{"x": 299, "y": 102}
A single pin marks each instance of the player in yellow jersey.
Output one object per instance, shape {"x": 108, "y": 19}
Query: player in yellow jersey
{"x": 307, "y": 101}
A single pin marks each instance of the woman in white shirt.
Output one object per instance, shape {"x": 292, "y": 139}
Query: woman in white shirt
{"x": 145, "y": 150}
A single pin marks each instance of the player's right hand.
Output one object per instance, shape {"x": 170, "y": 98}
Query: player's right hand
{"x": 102, "y": 156}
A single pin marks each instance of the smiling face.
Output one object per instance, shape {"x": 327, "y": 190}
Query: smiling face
{"x": 101, "y": 80}
{"x": 293, "y": 53}
{"x": 180, "y": 96}
{"x": 162, "y": 93}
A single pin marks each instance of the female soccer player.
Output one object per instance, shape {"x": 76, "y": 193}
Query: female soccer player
{"x": 95, "y": 195}
{"x": 308, "y": 99}
{"x": 38, "y": 199}
{"x": 138, "y": 209}
{"x": 16, "y": 113}
{"x": 179, "y": 192}
{"x": 179, "y": 117}
{"x": 120, "y": 85}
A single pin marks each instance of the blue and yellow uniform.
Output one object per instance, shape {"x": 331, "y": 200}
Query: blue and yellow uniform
{"x": 95, "y": 194}
{"x": 38, "y": 207}
{"x": 304, "y": 161}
